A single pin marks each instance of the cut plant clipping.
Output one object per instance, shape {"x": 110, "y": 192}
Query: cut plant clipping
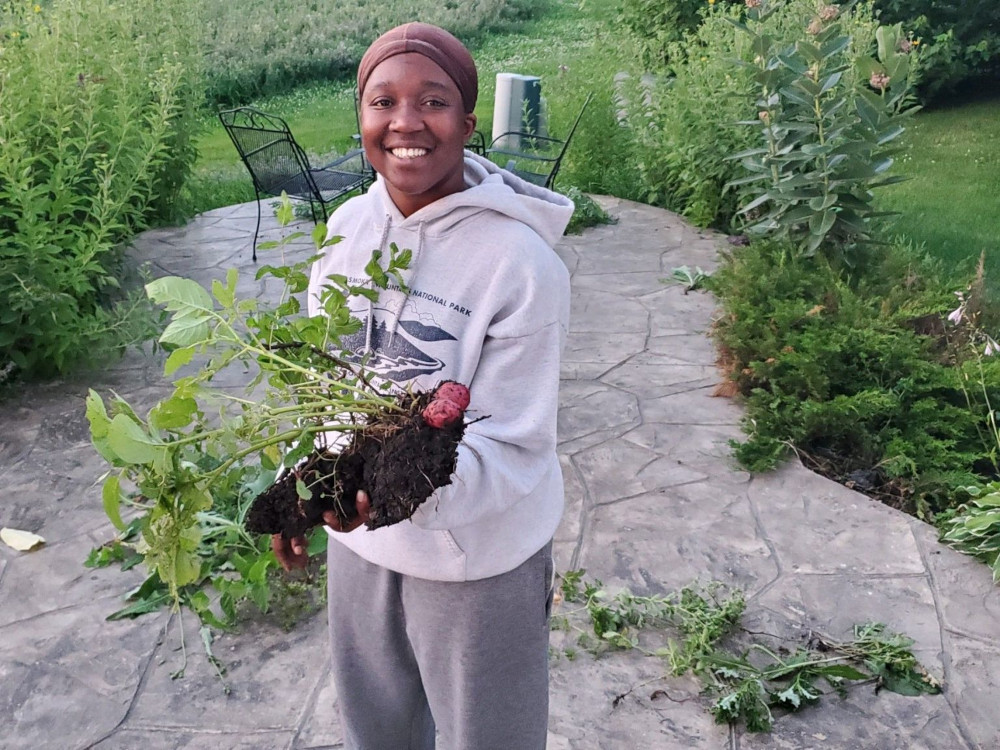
{"x": 22, "y": 541}
{"x": 748, "y": 678}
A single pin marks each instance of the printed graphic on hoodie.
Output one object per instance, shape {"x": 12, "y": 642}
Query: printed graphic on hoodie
{"x": 403, "y": 354}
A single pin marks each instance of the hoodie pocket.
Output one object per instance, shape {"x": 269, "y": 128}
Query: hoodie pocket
{"x": 452, "y": 545}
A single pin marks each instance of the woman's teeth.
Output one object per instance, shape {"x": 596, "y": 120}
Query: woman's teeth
{"x": 408, "y": 153}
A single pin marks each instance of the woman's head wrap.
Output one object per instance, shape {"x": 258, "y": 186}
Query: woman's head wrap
{"x": 432, "y": 42}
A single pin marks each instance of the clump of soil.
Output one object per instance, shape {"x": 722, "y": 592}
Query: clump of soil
{"x": 399, "y": 458}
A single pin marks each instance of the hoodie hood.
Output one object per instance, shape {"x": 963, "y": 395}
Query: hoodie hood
{"x": 489, "y": 188}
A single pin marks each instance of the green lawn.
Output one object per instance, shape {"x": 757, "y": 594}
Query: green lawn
{"x": 564, "y": 45}
{"x": 951, "y": 204}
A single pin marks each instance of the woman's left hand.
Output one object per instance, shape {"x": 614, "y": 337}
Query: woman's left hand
{"x": 364, "y": 512}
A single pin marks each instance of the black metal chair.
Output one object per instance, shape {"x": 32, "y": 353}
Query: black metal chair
{"x": 477, "y": 143}
{"x": 535, "y": 158}
{"x": 278, "y": 164}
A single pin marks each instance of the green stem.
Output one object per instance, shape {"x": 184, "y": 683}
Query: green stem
{"x": 279, "y": 438}
{"x": 822, "y": 142}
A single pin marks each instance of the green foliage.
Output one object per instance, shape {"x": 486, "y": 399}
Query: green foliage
{"x": 96, "y": 117}
{"x": 745, "y": 681}
{"x": 861, "y": 377}
{"x": 684, "y": 116}
{"x": 683, "y": 122}
{"x": 826, "y": 137}
{"x": 586, "y": 212}
{"x": 257, "y": 47}
{"x": 691, "y": 280}
{"x": 200, "y": 455}
{"x": 701, "y": 615}
{"x": 749, "y": 686}
{"x": 958, "y": 40}
{"x": 657, "y": 25}
{"x": 975, "y": 527}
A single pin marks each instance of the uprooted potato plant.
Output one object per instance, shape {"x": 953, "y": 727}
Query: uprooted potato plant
{"x": 189, "y": 470}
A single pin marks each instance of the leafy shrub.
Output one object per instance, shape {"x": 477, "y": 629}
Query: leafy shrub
{"x": 684, "y": 121}
{"x": 657, "y": 25}
{"x": 861, "y": 378}
{"x": 826, "y": 137}
{"x": 257, "y": 47}
{"x": 975, "y": 528}
{"x": 959, "y": 40}
{"x": 96, "y": 119}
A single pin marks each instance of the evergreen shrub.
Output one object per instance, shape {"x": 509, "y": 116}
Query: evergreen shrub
{"x": 861, "y": 375}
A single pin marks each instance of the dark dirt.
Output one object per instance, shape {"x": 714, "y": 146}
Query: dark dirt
{"x": 396, "y": 458}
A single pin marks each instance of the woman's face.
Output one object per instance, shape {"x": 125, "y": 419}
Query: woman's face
{"x": 413, "y": 130}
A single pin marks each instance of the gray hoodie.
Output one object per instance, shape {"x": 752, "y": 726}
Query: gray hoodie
{"x": 488, "y": 306}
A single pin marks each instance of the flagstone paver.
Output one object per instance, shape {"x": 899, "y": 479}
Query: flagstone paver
{"x": 654, "y": 501}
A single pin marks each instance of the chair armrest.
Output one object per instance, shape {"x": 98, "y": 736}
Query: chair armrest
{"x": 352, "y": 154}
{"x": 526, "y": 135}
{"x": 520, "y": 155}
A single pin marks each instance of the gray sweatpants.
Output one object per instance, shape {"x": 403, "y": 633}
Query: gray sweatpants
{"x": 468, "y": 659}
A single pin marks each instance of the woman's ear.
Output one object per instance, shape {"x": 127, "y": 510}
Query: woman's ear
{"x": 470, "y": 124}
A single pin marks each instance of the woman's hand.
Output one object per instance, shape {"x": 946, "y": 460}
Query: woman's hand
{"x": 364, "y": 511}
{"x": 293, "y": 553}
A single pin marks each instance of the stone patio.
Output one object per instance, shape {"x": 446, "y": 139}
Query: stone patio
{"x": 654, "y": 502}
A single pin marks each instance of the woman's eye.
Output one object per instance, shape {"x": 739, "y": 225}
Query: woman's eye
{"x": 381, "y": 102}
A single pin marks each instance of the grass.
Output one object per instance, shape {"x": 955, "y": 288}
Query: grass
{"x": 950, "y": 203}
{"x": 567, "y": 45}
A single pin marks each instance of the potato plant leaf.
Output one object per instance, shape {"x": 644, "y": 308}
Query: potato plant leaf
{"x": 111, "y": 498}
{"x": 131, "y": 443}
{"x": 178, "y": 294}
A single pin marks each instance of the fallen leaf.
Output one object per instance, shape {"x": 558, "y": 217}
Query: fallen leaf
{"x": 22, "y": 541}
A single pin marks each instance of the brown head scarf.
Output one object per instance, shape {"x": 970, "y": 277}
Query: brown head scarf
{"x": 431, "y": 42}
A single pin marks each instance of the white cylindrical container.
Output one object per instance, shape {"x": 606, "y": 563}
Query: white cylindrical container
{"x": 516, "y": 107}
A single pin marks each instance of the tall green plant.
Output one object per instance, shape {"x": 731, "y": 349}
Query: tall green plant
{"x": 95, "y": 127}
{"x": 657, "y": 25}
{"x": 682, "y": 121}
{"x": 683, "y": 116}
{"x": 827, "y": 127}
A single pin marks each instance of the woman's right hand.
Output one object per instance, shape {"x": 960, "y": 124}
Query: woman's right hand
{"x": 291, "y": 553}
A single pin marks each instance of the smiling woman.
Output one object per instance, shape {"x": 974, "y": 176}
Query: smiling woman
{"x": 413, "y": 128}
{"x": 458, "y": 596}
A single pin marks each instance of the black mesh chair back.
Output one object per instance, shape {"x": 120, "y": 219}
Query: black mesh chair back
{"x": 278, "y": 164}
{"x": 532, "y": 157}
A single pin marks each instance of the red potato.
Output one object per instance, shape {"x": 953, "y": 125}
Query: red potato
{"x": 457, "y": 393}
{"x": 441, "y": 413}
